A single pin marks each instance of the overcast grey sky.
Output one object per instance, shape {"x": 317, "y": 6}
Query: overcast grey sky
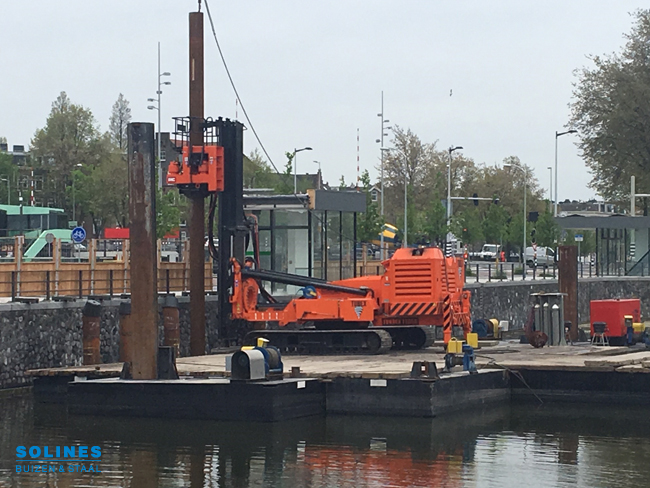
{"x": 310, "y": 73}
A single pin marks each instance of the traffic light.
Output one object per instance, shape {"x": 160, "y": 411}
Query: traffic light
{"x": 532, "y": 236}
{"x": 475, "y": 197}
{"x": 495, "y": 200}
{"x": 533, "y": 216}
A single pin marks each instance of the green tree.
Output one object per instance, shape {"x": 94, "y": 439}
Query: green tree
{"x": 369, "y": 223}
{"x": 119, "y": 121}
{"x": 495, "y": 224}
{"x": 8, "y": 171}
{"x": 284, "y": 184}
{"x": 435, "y": 224}
{"x": 168, "y": 212}
{"x": 515, "y": 232}
{"x": 588, "y": 244}
{"x": 610, "y": 110}
{"x": 69, "y": 138}
{"x": 257, "y": 172}
{"x": 547, "y": 230}
{"x": 101, "y": 191}
{"x": 467, "y": 226}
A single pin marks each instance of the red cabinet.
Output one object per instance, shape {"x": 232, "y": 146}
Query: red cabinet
{"x": 613, "y": 313}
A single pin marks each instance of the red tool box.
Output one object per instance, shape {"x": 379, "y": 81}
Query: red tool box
{"x": 613, "y": 313}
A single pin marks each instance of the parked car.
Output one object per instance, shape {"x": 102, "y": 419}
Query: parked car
{"x": 489, "y": 252}
{"x": 544, "y": 256}
{"x": 512, "y": 257}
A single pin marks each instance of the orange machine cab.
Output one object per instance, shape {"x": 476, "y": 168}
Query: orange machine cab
{"x": 209, "y": 172}
{"x": 419, "y": 287}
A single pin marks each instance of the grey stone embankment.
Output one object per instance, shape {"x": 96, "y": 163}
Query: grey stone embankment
{"x": 510, "y": 300}
{"x": 48, "y": 335}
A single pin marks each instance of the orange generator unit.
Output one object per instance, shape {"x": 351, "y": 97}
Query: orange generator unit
{"x": 420, "y": 289}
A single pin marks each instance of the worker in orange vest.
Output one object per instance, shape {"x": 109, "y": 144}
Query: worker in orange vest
{"x": 503, "y": 256}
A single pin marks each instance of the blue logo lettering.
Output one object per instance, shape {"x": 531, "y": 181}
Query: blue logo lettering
{"x": 35, "y": 451}
{"x": 21, "y": 451}
{"x": 96, "y": 451}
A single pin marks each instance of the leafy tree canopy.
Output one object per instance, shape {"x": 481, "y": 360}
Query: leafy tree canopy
{"x": 611, "y": 109}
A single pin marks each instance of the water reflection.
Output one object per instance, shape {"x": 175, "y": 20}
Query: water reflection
{"x": 520, "y": 446}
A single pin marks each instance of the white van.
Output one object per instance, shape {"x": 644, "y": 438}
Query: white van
{"x": 545, "y": 256}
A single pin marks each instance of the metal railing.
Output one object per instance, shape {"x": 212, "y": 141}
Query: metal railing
{"x": 27, "y": 284}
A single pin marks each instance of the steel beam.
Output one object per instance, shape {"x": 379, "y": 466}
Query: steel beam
{"x": 197, "y": 210}
{"x": 142, "y": 214}
{"x": 568, "y": 284}
{"x": 232, "y": 225}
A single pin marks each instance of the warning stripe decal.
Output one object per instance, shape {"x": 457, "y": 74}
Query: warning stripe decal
{"x": 412, "y": 309}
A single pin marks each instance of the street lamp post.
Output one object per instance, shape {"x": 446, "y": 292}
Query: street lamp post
{"x": 295, "y": 167}
{"x": 153, "y": 107}
{"x": 558, "y": 134}
{"x": 550, "y": 187}
{"x": 383, "y": 220}
{"x": 451, "y": 150}
{"x": 406, "y": 221}
{"x": 523, "y": 248}
{"x": 381, "y": 178}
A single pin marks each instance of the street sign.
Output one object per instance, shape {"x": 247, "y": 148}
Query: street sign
{"x": 578, "y": 237}
{"x": 78, "y": 235}
{"x": 49, "y": 238}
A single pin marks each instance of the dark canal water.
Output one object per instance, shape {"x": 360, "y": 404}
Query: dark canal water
{"x": 522, "y": 446}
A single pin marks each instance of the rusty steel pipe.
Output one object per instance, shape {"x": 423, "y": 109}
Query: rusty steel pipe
{"x": 171, "y": 323}
{"x": 197, "y": 210}
{"x": 126, "y": 333}
{"x": 91, "y": 319}
{"x": 144, "y": 262}
{"x": 568, "y": 284}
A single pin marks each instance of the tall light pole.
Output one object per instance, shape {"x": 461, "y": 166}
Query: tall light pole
{"x": 558, "y": 134}
{"x": 451, "y": 150}
{"x": 523, "y": 248}
{"x": 550, "y": 187}
{"x": 295, "y": 167}
{"x": 381, "y": 178}
{"x": 152, "y": 107}
{"x": 383, "y": 220}
{"x": 406, "y": 220}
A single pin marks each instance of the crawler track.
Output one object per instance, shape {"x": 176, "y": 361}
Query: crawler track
{"x": 364, "y": 341}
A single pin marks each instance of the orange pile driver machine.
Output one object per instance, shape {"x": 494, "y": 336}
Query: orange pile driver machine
{"x": 419, "y": 290}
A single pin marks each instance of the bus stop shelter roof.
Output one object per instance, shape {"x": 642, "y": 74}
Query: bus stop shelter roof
{"x": 614, "y": 221}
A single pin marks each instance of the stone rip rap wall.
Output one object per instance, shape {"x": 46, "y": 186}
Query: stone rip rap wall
{"x": 511, "y": 301}
{"x": 48, "y": 335}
